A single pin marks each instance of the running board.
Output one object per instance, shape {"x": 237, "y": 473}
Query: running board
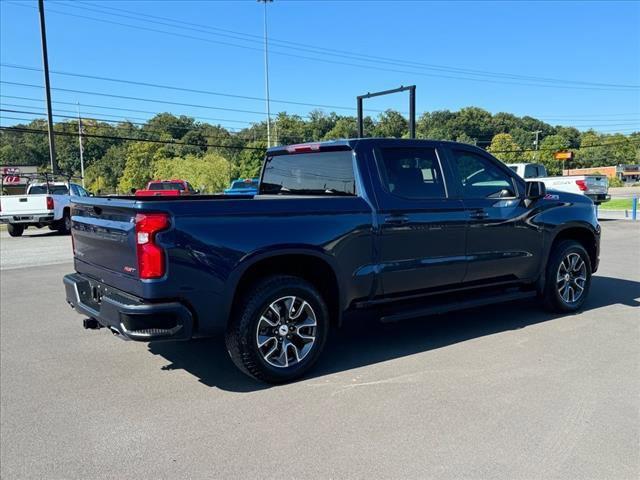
{"x": 452, "y": 306}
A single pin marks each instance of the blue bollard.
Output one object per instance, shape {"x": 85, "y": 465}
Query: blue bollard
{"x": 634, "y": 208}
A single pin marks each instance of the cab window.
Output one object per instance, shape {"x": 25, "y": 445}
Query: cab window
{"x": 412, "y": 172}
{"x": 479, "y": 177}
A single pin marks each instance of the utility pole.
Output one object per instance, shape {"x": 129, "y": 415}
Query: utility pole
{"x": 537, "y": 142}
{"x": 47, "y": 88}
{"x": 266, "y": 71}
{"x": 80, "y": 144}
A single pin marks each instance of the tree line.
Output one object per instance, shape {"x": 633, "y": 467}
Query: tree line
{"x": 124, "y": 155}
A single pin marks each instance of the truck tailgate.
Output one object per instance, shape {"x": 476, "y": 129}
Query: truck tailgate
{"x": 597, "y": 184}
{"x": 24, "y": 204}
{"x": 104, "y": 236}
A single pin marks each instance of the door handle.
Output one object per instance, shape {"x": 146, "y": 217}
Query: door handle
{"x": 479, "y": 214}
{"x": 396, "y": 219}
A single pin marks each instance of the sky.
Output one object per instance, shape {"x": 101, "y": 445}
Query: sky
{"x": 568, "y": 63}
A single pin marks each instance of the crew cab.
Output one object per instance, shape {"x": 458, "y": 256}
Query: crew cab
{"x": 387, "y": 228}
{"x": 596, "y": 187}
{"x": 44, "y": 204}
{"x": 166, "y": 188}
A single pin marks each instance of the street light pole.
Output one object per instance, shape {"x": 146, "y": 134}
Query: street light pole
{"x": 47, "y": 88}
{"x": 266, "y": 72}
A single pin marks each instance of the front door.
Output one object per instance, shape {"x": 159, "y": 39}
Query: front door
{"x": 502, "y": 243}
{"x": 422, "y": 230}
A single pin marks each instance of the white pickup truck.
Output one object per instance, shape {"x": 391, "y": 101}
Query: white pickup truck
{"x": 596, "y": 187}
{"x": 43, "y": 204}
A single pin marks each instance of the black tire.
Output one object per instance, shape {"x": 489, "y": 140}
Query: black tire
{"x": 15, "y": 229}
{"x": 242, "y": 335}
{"x": 554, "y": 301}
{"x": 64, "y": 227}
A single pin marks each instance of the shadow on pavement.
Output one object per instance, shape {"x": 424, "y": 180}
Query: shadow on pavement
{"x": 366, "y": 342}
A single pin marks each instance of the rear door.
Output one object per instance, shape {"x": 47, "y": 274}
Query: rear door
{"x": 422, "y": 229}
{"x": 502, "y": 244}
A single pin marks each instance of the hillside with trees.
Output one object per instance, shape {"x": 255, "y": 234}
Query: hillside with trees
{"x": 124, "y": 155}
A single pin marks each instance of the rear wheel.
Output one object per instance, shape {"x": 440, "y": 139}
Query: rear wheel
{"x": 15, "y": 229}
{"x": 64, "y": 226}
{"x": 280, "y": 330}
{"x": 568, "y": 277}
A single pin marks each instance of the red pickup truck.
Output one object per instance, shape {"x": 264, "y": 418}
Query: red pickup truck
{"x": 167, "y": 188}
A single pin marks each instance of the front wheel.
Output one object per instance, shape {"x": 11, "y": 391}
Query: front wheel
{"x": 280, "y": 329}
{"x": 15, "y": 229}
{"x": 568, "y": 277}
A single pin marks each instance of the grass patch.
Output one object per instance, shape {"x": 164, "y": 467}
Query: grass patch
{"x": 617, "y": 204}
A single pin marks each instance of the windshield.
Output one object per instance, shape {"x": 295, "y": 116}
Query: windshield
{"x": 166, "y": 186}
{"x": 321, "y": 173}
{"x": 53, "y": 189}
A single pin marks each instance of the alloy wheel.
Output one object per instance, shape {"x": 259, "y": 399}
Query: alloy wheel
{"x": 571, "y": 278}
{"x": 286, "y": 332}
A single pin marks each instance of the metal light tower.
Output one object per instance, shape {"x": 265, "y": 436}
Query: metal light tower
{"x": 266, "y": 71}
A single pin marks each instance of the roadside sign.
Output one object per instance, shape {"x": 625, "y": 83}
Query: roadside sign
{"x": 563, "y": 155}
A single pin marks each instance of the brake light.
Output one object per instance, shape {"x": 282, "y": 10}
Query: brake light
{"x": 151, "y": 263}
{"x": 49, "y": 203}
{"x": 306, "y": 147}
{"x": 582, "y": 185}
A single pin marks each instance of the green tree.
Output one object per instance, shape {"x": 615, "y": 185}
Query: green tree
{"x": 548, "y": 147}
{"x": 505, "y": 148}
{"x": 104, "y": 173}
{"x": 250, "y": 160}
{"x": 139, "y": 165}
{"x": 210, "y": 173}
{"x": 390, "y": 124}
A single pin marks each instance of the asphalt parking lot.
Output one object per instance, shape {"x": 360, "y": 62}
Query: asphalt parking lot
{"x": 506, "y": 391}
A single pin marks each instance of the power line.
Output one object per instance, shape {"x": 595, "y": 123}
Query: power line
{"x": 104, "y": 107}
{"x": 172, "y": 87}
{"x": 240, "y": 135}
{"x": 140, "y": 99}
{"x": 96, "y": 116}
{"x": 113, "y": 137}
{"x": 350, "y": 64}
{"x": 335, "y": 52}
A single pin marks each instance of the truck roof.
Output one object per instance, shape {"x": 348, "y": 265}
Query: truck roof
{"x": 352, "y": 142}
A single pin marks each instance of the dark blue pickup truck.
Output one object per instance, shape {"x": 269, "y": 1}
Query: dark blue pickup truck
{"x": 390, "y": 228}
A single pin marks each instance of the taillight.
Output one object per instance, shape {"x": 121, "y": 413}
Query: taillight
{"x": 49, "y": 203}
{"x": 304, "y": 148}
{"x": 582, "y": 185}
{"x": 151, "y": 263}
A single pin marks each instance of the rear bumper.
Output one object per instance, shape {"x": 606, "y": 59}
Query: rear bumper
{"x": 128, "y": 316}
{"x": 599, "y": 197}
{"x": 39, "y": 218}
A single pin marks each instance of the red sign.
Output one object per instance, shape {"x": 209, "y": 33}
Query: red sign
{"x": 10, "y": 179}
{"x": 11, "y": 171}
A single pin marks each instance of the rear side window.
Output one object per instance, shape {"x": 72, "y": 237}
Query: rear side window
{"x": 321, "y": 173}
{"x": 531, "y": 171}
{"x": 412, "y": 172}
{"x": 53, "y": 189}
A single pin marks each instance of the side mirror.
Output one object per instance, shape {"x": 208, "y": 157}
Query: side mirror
{"x": 536, "y": 190}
